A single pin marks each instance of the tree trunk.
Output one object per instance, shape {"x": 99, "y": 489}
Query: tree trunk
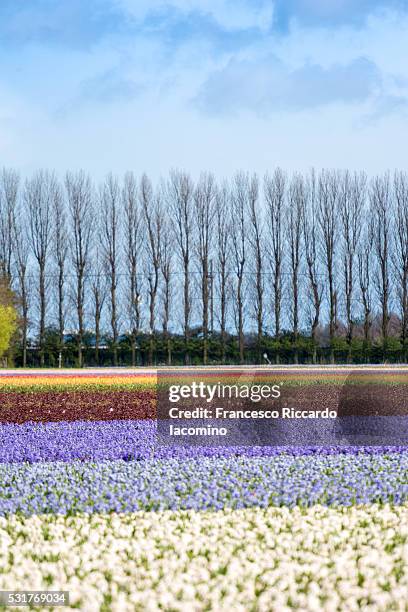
{"x": 42, "y": 315}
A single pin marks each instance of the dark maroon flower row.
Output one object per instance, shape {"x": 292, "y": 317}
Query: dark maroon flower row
{"x": 45, "y": 406}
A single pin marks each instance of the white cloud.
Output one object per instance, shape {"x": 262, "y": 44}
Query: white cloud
{"x": 63, "y": 108}
{"x": 229, "y": 14}
{"x": 384, "y": 40}
{"x": 267, "y": 85}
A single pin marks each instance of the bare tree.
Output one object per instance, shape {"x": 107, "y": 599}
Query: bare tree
{"x": 110, "y": 205}
{"x": 9, "y": 184}
{"x": 60, "y": 251}
{"x": 153, "y": 216}
{"x": 38, "y": 196}
{"x": 256, "y": 237}
{"x": 297, "y": 200}
{"x": 334, "y": 245}
{"x": 81, "y": 219}
{"x": 204, "y": 208}
{"x": 352, "y": 200}
{"x": 328, "y": 199}
{"x": 275, "y": 192}
{"x": 180, "y": 198}
{"x": 133, "y": 250}
{"x": 98, "y": 290}
{"x": 400, "y": 252}
{"x": 166, "y": 266}
{"x": 224, "y": 229}
{"x": 380, "y": 202}
{"x": 239, "y": 212}
{"x": 21, "y": 254}
{"x": 365, "y": 264}
{"x": 310, "y": 234}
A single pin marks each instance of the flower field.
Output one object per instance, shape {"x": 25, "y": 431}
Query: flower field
{"x": 90, "y": 505}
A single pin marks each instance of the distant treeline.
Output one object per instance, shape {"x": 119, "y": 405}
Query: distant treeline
{"x": 303, "y": 268}
{"x": 282, "y": 351}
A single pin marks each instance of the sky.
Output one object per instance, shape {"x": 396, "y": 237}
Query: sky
{"x": 217, "y": 85}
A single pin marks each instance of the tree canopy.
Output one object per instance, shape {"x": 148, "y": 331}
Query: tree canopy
{"x": 8, "y": 324}
{"x": 8, "y": 316}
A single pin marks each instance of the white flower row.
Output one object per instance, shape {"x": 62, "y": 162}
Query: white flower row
{"x": 257, "y": 559}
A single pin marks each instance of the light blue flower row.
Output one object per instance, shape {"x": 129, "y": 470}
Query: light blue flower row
{"x": 203, "y": 484}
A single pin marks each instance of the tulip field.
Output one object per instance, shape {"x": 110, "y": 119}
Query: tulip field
{"x": 91, "y": 505}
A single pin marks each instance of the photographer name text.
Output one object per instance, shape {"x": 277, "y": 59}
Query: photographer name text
{"x": 211, "y": 393}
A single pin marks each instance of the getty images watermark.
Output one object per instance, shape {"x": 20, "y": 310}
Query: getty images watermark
{"x": 210, "y": 393}
{"x": 276, "y": 408}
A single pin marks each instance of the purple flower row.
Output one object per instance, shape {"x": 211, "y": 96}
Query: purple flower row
{"x": 127, "y": 440}
{"x": 204, "y": 484}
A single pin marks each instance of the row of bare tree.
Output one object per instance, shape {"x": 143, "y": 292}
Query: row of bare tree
{"x": 286, "y": 252}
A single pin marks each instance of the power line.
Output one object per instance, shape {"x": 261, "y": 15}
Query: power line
{"x": 146, "y": 275}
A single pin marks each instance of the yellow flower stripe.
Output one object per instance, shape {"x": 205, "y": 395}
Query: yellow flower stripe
{"x": 14, "y": 383}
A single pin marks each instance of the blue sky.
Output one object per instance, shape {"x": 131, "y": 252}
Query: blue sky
{"x": 203, "y": 84}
